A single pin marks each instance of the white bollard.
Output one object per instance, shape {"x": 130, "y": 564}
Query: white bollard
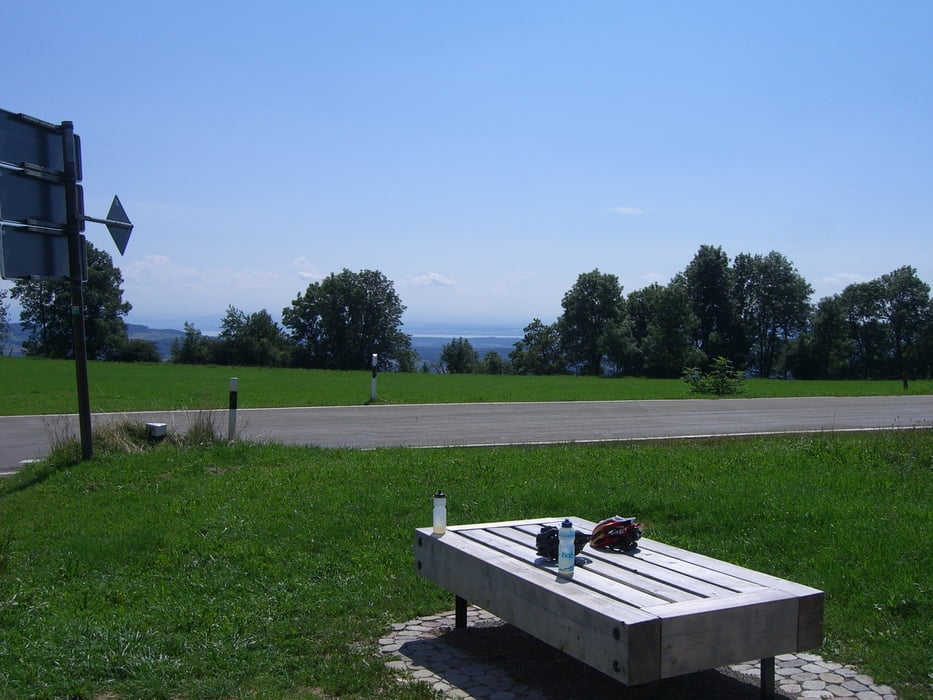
{"x": 372, "y": 386}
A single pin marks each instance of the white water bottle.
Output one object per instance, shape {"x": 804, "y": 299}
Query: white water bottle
{"x": 565, "y": 549}
{"x": 440, "y": 513}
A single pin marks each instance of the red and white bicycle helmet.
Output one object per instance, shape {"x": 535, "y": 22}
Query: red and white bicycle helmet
{"x": 616, "y": 533}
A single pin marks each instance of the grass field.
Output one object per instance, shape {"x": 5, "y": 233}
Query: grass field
{"x": 270, "y": 572}
{"x": 48, "y": 387}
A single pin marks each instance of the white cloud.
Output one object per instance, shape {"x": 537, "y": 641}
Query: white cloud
{"x": 306, "y": 270}
{"x": 627, "y": 211}
{"x": 433, "y": 279}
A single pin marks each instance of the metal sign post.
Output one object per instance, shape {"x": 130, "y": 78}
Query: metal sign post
{"x": 75, "y": 248}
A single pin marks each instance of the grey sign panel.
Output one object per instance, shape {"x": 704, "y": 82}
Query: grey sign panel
{"x": 27, "y": 255}
{"x": 119, "y": 233}
{"x": 28, "y": 140}
{"x": 24, "y": 198}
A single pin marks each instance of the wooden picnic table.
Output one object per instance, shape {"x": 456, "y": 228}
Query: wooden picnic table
{"x": 655, "y": 612}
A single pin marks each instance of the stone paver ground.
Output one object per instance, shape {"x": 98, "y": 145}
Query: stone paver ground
{"x": 491, "y": 660}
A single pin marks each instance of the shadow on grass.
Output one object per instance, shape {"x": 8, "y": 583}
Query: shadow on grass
{"x": 33, "y": 474}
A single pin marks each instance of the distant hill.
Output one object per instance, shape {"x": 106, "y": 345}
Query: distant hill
{"x": 13, "y": 345}
{"x": 161, "y": 337}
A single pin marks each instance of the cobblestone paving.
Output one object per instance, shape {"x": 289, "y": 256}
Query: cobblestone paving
{"x": 490, "y": 660}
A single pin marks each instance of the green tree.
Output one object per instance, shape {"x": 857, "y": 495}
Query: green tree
{"x": 861, "y": 305}
{"x": 618, "y": 349}
{"x": 405, "y": 359}
{"x": 825, "y": 350}
{"x": 539, "y": 351}
{"x": 924, "y": 350}
{"x": 639, "y": 311}
{"x": 663, "y": 329}
{"x": 772, "y": 303}
{"x": 138, "y": 350}
{"x": 194, "y": 348}
{"x": 251, "y": 340}
{"x": 459, "y": 356}
{"x": 592, "y": 307}
{"x": 904, "y": 307}
{"x": 339, "y": 322}
{"x": 879, "y": 328}
{"x": 492, "y": 363}
{"x": 708, "y": 281}
{"x": 833, "y": 346}
{"x": 46, "y": 312}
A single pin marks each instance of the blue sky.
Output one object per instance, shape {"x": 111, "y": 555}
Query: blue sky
{"x": 483, "y": 154}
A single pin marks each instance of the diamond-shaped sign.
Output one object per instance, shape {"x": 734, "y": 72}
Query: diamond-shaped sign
{"x": 118, "y": 223}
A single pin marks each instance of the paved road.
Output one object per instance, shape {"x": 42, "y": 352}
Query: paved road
{"x": 27, "y": 437}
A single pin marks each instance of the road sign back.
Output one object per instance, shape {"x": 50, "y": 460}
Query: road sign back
{"x": 26, "y": 199}
{"x": 25, "y": 139}
{"x": 37, "y": 256}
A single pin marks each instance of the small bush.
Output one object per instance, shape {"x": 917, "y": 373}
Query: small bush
{"x": 720, "y": 380}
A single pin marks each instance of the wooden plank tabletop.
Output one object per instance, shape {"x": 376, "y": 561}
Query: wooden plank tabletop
{"x": 654, "y": 612}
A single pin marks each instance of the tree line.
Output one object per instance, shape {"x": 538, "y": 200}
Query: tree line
{"x": 753, "y": 311}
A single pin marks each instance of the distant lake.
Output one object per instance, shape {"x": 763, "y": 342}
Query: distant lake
{"x": 450, "y": 330}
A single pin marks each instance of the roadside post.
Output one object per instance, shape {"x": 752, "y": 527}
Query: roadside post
{"x": 372, "y": 385}
{"x": 74, "y": 207}
{"x": 42, "y": 221}
{"x": 231, "y": 418}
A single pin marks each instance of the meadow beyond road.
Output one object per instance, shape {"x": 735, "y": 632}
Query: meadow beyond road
{"x": 485, "y": 424}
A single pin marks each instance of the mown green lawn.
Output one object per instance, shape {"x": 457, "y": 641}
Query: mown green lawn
{"x": 48, "y": 386}
{"x": 270, "y": 572}
{"x": 263, "y": 571}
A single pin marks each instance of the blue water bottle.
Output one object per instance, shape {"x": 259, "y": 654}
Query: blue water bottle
{"x": 565, "y": 549}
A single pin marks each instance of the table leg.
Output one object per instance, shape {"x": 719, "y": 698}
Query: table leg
{"x": 767, "y": 678}
{"x": 460, "y": 612}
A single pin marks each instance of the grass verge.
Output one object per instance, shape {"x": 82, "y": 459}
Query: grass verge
{"x": 269, "y": 572}
{"x": 33, "y": 386}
